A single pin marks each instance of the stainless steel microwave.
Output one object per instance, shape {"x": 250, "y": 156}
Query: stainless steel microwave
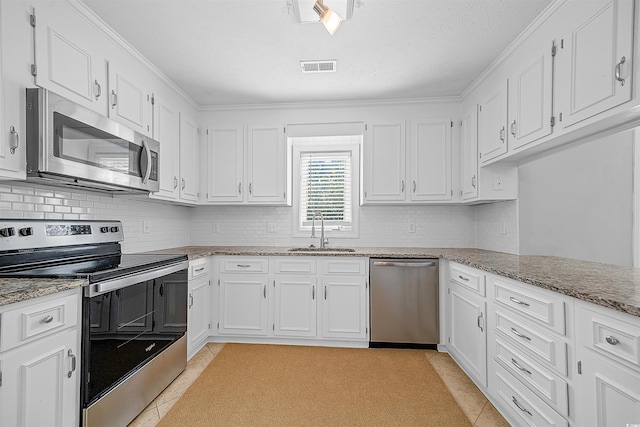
{"x": 70, "y": 145}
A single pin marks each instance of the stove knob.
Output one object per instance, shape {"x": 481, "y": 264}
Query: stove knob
{"x": 27, "y": 231}
{"x": 7, "y": 232}
{"x": 114, "y": 229}
{"x": 104, "y": 229}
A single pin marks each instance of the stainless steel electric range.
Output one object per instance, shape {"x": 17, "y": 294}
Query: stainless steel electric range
{"x": 134, "y": 309}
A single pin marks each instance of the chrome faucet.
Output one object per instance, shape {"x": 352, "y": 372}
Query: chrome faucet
{"x": 323, "y": 240}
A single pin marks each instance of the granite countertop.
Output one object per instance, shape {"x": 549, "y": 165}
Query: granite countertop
{"x": 607, "y": 285}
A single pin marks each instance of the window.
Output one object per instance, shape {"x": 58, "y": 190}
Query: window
{"x": 327, "y": 172}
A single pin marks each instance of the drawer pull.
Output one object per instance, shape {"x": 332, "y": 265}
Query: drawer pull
{"x": 517, "y": 365}
{"x": 515, "y": 402}
{"x": 244, "y": 265}
{"x": 519, "y": 302}
{"x": 198, "y": 270}
{"x": 73, "y": 363}
{"x": 466, "y": 279}
{"x": 515, "y": 332}
{"x": 47, "y": 319}
{"x": 612, "y": 340}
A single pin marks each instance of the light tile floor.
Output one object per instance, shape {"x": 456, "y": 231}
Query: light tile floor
{"x": 473, "y": 403}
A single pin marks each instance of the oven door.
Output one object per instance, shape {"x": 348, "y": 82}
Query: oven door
{"x": 127, "y": 323}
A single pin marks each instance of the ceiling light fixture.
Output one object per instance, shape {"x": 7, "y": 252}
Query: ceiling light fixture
{"x": 328, "y": 17}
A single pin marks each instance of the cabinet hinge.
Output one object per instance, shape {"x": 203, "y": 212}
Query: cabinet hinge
{"x": 0, "y": 378}
{"x": 153, "y": 99}
{"x": 218, "y": 282}
{"x": 561, "y": 43}
{"x": 284, "y": 129}
{"x": 560, "y": 116}
{"x": 479, "y": 107}
{"x": 273, "y": 327}
{"x": 209, "y": 282}
{"x": 553, "y": 121}
{"x": 451, "y": 192}
{"x": 366, "y": 285}
{"x": 34, "y": 70}
{"x": 207, "y": 131}
{"x": 449, "y": 291}
{"x": 366, "y": 127}
{"x": 461, "y": 192}
{"x": 218, "y": 326}
{"x": 461, "y": 123}
{"x": 366, "y": 331}
{"x": 32, "y": 19}
{"x": 451, "y": 123}
{"x": 449, "y": 340}
{"x": 480, "y": 155}
{"x": 274, "y": 283}
{"x": 209, "y": 326}
{"x": 580, "y": 368}
{"x": 553, "y": 48}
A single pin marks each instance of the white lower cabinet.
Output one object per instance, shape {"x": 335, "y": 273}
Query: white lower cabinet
{"x": 39, "y": 368}
{"x": 290, "y": 299}
{"x": 198, "y": 314}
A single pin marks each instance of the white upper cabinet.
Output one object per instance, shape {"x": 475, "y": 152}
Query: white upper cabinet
{"x": 469, "y": 153}
{"x": 68, "y": 56}
{"x": 266, "y": 165}
{"x": 431, "y": 160}
{"x": 167, "y": 133}
{"x": 530, "y": 98}
{"x": 492, "y": 124}
{"x": 385, "y": 162}
{"x": 226, "y": 164}
{"x": 189, "y": 152}
{"x": 594, "y": 61}
{"x": 130, "y": 102}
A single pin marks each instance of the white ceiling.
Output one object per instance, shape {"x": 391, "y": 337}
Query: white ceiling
{"x": 237, "y": 52}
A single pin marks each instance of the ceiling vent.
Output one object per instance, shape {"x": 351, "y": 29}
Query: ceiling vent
{"x": 328, "y": 66}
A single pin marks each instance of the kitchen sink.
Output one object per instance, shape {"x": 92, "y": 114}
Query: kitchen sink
{"x": 314, "y": 249}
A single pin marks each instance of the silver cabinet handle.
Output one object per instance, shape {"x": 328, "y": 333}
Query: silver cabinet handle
{"x": 97, "y": 89}
{"x": 243, "y": 265}
{"x": 73, "y": 363}
{"x": 15, "y": 140}
{"x": 473, "y": 181}
{"x": 190, "y": 300}
{"x": 239, "y": 188}
{"x": 515, "y": 402}
{"x": 519, "y": 302}
{"x": 618, "y": 67}
{"x": 460, "y": 276}
{"x": 513, "y": 128}
{"x": 502, "y": 134}
{"x": 184, "y": 183}
{"x": 414, "y": 186}
{"x": 313, "y": 292}
{"x": 403, "y": 264}
{"x": 612, "y": 340}
{"x": 114, "y": 97}
{"x": 47, "y": 319}
{"x": 517, "y": 365}
{"x": 403, "y": 185}
{"x": 197, "y": 270}
{"x": 518, "y": 334}
{"x": 479, "y": 320}
{"x": 175, "y": 182}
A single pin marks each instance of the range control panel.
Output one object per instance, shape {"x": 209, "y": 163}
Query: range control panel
{"x": 16, "y": 234}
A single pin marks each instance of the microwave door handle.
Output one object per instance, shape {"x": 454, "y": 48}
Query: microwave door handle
{"x": 145, "y": 161}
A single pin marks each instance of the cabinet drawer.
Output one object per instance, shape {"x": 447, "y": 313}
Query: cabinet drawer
{"x": 522, "y": 403}
{"x": 546, "y": 384}
{"x": 545, "y": 309}
{"x": 344, "y": 266}
{"x": 609, "y": 335}
{"x": 468, "y": 278}
{"x": 244, "y": 265}
{"x": 198, "y": 268}
{"x": 37, "y": 320}
{"x": 537, "y": 342}
{"x": 294, "y": 265}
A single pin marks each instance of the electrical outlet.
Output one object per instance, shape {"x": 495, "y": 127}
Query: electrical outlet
{"x": 412, "y": 227}
{"x": 498, "y": 183}
{"x": 215, "y": 227}
{"x": 272, "y": 228}
{"x": 146, "y": 228}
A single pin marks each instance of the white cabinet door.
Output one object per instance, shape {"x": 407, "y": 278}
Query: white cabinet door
{"x": 68, "y": 56}
{"x": 295, "y": 306}
{"x": 167, "y": 132}
{"x": 530, "y": 92}
{"x": 189, "y": 165}
{"x": 40, "y": 382}
{"x": 608, "y": 394}
{"x": 129, "y": 100}
{"x": 469, "y": 153}
{"x": 492, "y": 125}
{"x": 385, "y": 162}
{"x": 226, "y": 160}
{"x": 594, "y": 60}
{"x": 266, "y": 165}
{"x": 243, "y": 304}
{"x": 198, "y": 315}
{"x": 344, "y": 307}
{"x": 467, "y": 332}
{"x": 431, "y": 160}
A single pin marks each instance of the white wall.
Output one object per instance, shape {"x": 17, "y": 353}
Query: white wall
{"x": 497, "y": 226}
{"x": 578, "y": 202}
{"x": 169, "y": 225}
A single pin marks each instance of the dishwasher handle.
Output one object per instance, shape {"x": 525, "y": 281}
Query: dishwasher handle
{"x": 403, "y": 264}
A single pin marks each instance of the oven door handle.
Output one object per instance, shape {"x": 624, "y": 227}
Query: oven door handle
{"x": 132, "y": 279}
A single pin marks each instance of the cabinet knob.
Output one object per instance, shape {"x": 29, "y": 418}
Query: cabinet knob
{"x": 612, "y": 340}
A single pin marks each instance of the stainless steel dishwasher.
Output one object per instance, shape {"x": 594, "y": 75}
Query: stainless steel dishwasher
{"x": 404, "y": 302}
